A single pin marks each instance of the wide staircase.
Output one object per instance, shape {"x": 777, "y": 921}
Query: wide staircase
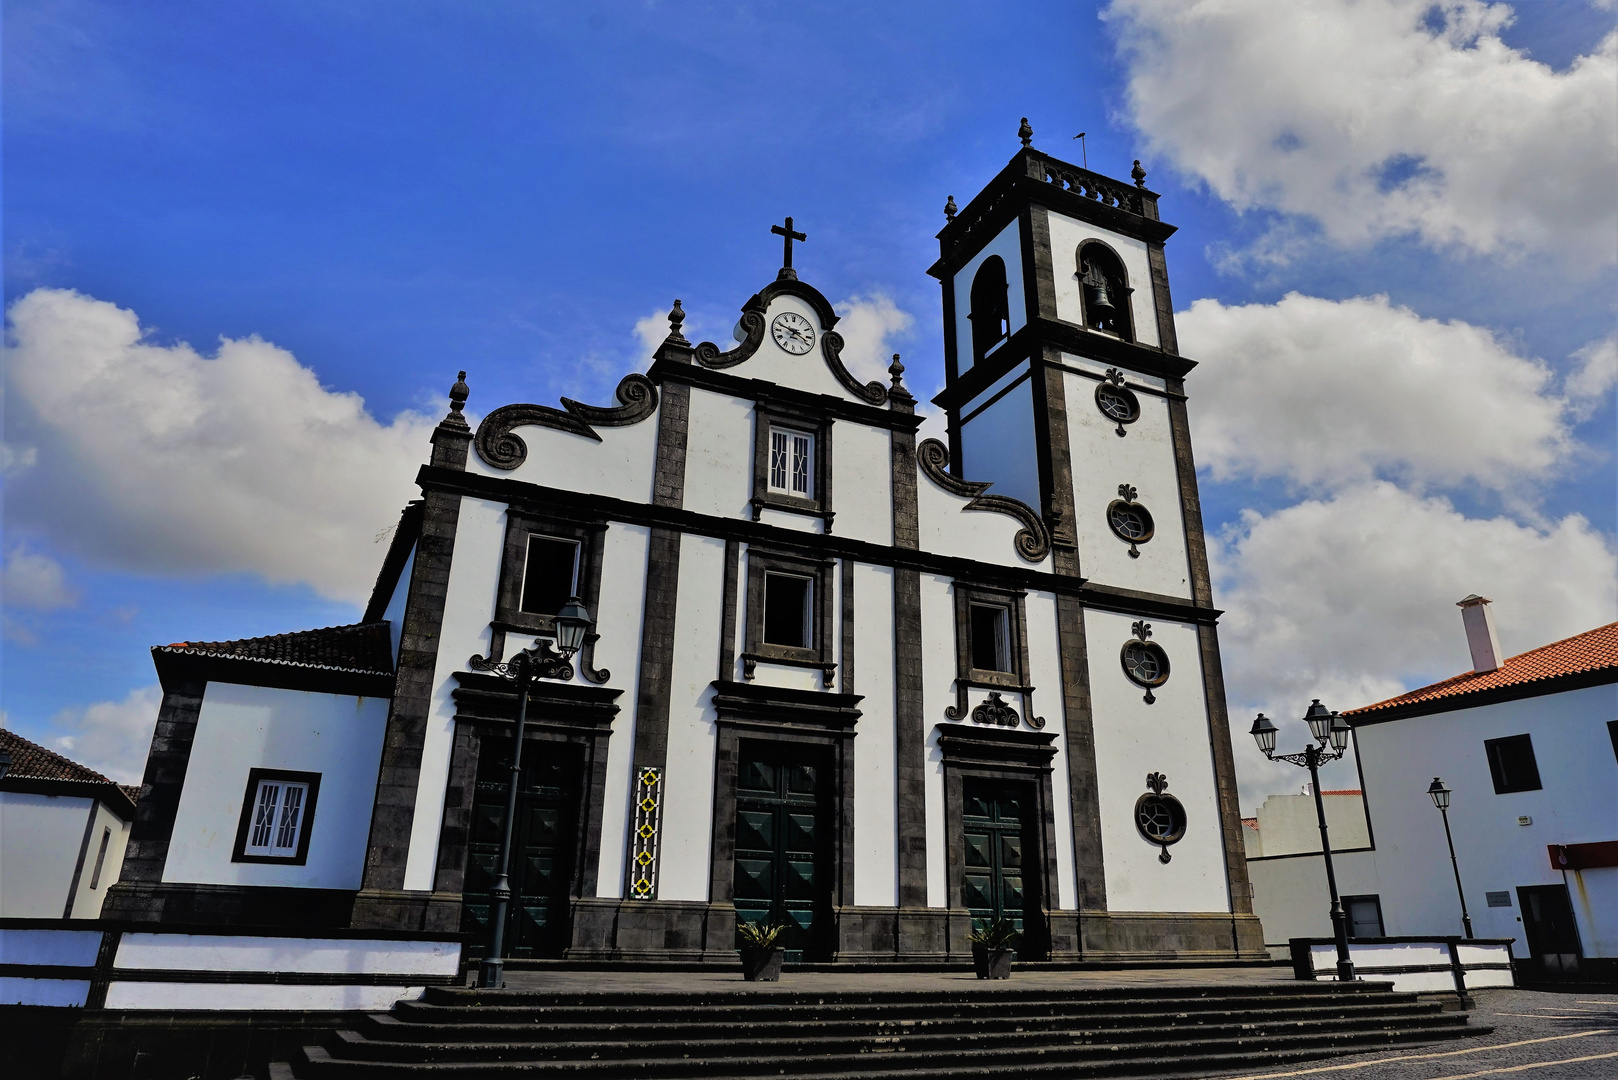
{"x": 1139, "y": 1031}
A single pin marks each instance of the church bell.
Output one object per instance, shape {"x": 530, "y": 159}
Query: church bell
{"x": 1096, "y": 300}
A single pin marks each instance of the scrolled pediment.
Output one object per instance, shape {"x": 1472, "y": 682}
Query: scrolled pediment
{"x": 501, "y": 449}
{"x": 1033, "y": 540}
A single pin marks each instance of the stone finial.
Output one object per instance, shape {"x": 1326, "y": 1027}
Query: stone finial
{"x": 1139, "y": 174}
{"x": 897, "y": 370}
{"x": 950, "y": 209}
{"x": 676, "y": 320}
{"x": 1025, "y": 133}
{"x": 458, "y": 394}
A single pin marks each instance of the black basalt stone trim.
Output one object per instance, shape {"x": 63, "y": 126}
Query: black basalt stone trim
{"x": 1031, "y": 340}
{"x": 164, "y": 779}
{"x": 846, "y": 645}
{"x": 455, "y": 830}
{"x": 392, "y": 818}
{"x": 1039, "y": 271}
{"x": 1168, "y": 340}
{"x": 1032, "y": 541}
{"x": 1185, "y": 466}
{"x": 393, "y": 564}
{"x": 903, "y": 553}
{"x": 910, "y": 732}
{"x": 819, "y": 653}
{"x": 1224, "y": 768}
{"x": 667, "y": 373}
{"x": 78, "y": 864}
{"x": 727, "y": 622}
{"x": 673, "y": 428}
{"x": 232, "y": 908}
{"x": 1057, "y": 468}
{"x": 501, "y": 449}
{"x": 1084, "y": 795}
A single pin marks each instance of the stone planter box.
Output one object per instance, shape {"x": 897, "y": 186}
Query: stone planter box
{"x": 991, "y": 963}
{"x": 761, "y": 965}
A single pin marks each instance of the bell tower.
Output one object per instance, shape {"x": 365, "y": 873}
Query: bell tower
{"x": 1065, "y": 389}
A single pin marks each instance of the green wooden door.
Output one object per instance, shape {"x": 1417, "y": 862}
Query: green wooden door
{"x": 541, "y": 852}
{"x": 998, "y": 872}
{"x": 782, "y": 843}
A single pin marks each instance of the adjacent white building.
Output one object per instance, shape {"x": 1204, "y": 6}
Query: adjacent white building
{"x": 63, "y": 828}
{"x": 1528, "y": 746}
{"x": 870, "y": 688}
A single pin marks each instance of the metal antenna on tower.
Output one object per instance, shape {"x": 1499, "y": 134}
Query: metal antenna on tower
{"x": 1082, "y": 150}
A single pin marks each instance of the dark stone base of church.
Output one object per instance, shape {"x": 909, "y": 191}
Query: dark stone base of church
{"x": 229, "y": 906}
{"x": 671, "y": 930}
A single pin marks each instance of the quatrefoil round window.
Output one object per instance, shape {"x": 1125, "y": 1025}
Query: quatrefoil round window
{"x": 1130, "y": 522}
{"x": 1118, "y": 403}
{"x": 1160, "y": 818}
{"x": 1145, "y": 663}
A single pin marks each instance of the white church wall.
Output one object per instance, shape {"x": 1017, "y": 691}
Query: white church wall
{"x": 623, "y": 598}
{"x": 938, "y": 693}
{"x": 1145, "y": 458}
{"x": 1133, "y": 739}
{"x": 394, "y": 612}
{"x": 1007, "y": 244}
{"x": 785, "y": 519}
{"x": 1066, "y": 236}
{"x": 469, "y": 602}
{"x": 999, "y": 445}
{"x": 862, "y": 482}
{"x": 1578, "y": 804}
{"x": 1045, "y": 672}
{"x": 692, "y": 733}
{"x": 719, "y": 455}
{"x": 876, "y": 822}
{"x": 43, "y": 833}
{"x": 773, "y": 363}
{"x": 92, "y": 890}
{"x": 620, "y": 465}
{"x": 240, "y": 728}
{"x": 946, "y": 527}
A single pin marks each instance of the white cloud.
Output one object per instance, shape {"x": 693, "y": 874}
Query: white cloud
{"x": 1352, "y": 599}
{"x": 1360, "y": 115}
{"x": 159, "y": 459}
{"x": 651, "y": 331}
{"x": 111, "y": 737}
{"x": 34, "y": 581}
{"x": 1325, "y": 392}
{"x": 868, "y": 325}
{"x": 1590, "y": 385}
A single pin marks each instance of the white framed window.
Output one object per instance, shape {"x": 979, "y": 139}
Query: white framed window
{"x": 792, "y": 462}
{"x": 278, "y": 812}
{"x": 991, "y": 639}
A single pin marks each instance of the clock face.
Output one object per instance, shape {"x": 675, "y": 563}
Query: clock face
{"x": 793, "y": 333}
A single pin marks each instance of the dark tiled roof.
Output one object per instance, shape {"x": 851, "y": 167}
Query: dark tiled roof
{"x": 1589, "y": 651}
{"x": 33, "y": 761}
{"x": 359, "y": 647}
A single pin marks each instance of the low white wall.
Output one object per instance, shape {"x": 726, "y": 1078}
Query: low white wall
{"x": 1484, "y": 964}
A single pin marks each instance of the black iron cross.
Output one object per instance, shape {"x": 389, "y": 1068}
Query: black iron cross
{"x": 786, "y": 256}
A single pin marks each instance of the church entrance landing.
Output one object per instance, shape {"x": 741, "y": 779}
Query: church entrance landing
{"x": 783, "y": 844}
{"x": 541, "y": 853}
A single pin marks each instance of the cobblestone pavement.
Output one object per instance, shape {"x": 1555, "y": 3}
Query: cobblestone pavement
{"x": 1537, "y": 1036}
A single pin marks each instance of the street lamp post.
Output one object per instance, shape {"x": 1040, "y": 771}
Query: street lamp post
{"x": 1440, "y": 795}
{"x": 540, "y": 661}
{"x": 1326, "y": 726}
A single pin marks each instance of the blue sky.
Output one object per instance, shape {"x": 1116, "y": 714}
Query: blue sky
{"x": 363, "y": 199}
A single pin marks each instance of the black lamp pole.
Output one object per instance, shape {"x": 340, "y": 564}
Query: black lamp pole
{"x": 1326, "y": 726}
{"x": 540, "y": 661}
{"x": 1440, "y": 795}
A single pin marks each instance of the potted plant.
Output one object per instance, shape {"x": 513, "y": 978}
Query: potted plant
{"x": 992, "y": 942}
{"x": 761, "y": 957}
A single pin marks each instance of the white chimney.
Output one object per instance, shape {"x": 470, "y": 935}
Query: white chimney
{"x": 1478, "y": 618}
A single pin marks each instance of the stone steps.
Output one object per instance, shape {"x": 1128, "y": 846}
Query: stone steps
{"x": 979, "y": 1032}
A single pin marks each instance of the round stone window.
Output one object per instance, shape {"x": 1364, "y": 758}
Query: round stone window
{"x": 1146, "y": 663}
{"x": 1130, "y": 522}
{"x": 1160, "y": 819}
{"x": 1118, "y": 403}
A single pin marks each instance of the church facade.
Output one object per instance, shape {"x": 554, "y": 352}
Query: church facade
{"x": 871, "y": 686}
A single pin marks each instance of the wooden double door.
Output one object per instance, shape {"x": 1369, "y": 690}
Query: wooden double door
{"x": 1000, "y": 859}
{"x": 544, "y": 841}
{"x": 783, "y": 871}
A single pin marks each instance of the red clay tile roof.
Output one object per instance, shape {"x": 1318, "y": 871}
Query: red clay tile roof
{"x": 1592, "y": 650}
{"x": 358, "y": 647}
{"x": 1344, "y": 791}
{"x": 31, "y": 760}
